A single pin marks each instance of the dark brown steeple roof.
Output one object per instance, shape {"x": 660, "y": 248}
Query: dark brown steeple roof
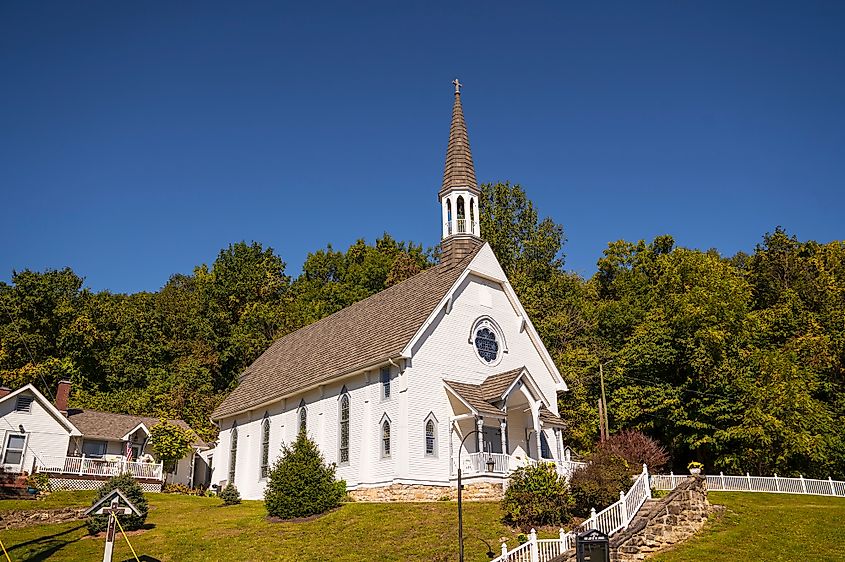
{"x": 459, "y": 172}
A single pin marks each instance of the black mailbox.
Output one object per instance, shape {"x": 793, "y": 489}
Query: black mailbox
{"x": 592, "y": 546}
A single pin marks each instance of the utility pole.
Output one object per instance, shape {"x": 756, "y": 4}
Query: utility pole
{"x": 602, "y": 436}
{"x": 603, "y": 403}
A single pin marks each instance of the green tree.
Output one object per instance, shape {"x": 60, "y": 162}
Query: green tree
{"x": 300, "y": 483}
{"x": 132, "y": 490}
{"x": 170, "y": 443}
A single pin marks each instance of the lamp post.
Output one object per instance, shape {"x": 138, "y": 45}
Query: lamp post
{"x": 490, "y": 464}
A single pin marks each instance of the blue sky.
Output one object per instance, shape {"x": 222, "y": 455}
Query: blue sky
{"x": 138, "y": 139}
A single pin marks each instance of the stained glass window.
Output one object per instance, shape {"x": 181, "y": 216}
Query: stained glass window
{"x": 303, "y": 418}
{"x": 344, "y": 428}
{"x": 233, "y": 454}
{"x": 430, "y": 438}
{"x": 486, "y": 344}
{"x": 265, "y": 446}
{"x": 385, "y": 438}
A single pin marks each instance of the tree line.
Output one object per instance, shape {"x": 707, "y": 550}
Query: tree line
{"x": 735, "y": 361}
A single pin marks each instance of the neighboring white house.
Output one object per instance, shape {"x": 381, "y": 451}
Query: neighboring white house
{"x": 80, "y": 448}
{"x": 390, "y": 386}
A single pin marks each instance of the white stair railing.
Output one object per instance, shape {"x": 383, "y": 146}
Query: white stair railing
{"x": 610, "y": 520}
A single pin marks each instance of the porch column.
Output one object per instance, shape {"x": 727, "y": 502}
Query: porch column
{"x": 556, "y": 431}
{"x": 535, "y": 418}
{"x": 503, "y": 425}
{"x": 479, "y": 424}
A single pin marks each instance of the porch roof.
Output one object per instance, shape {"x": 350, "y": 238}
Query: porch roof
{"x": 473, "y": 396}
{"x": 548, "y": 418}
{"x": 114, "y": 427}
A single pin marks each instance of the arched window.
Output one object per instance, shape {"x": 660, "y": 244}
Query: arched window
{"x": 461, "y": 215}
{"x": 343, "y": 453}
{"x": 265, "y": 446}
{"x": 303, "y": 417}
{"x": 449, "y": 214}
{"x": 430, "y": 437}
{"x": 233, "y": 452}
{"x": 472, "y": 216}
{"x": 385, "y": 438}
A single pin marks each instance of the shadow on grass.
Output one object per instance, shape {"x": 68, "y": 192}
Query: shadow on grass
{"x": 44, "y": 547}
{"x": 143, "y": 558}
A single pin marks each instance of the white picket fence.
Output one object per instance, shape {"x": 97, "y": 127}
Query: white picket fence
{"x": 770, "y": 484}
{"x": 609, "y": 520}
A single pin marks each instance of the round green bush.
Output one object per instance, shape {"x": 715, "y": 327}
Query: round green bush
{"x": 133, "y": 492}
{"x": 598, "y": 484}
{"x": 537, "y": 495}
{"x": 300, "y": 483}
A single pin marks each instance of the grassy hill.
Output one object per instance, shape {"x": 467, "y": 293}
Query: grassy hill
{"x": 754, "y": 527}
{"x": 771, "y": 527}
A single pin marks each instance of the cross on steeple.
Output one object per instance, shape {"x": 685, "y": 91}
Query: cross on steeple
{"x": 457, "y": 86}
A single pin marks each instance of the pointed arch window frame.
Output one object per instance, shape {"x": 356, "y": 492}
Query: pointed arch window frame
{"x": 264, "y": 449}
{"x": 233, "y": 452}
{"x": 302, "y": 417}
{"x": 343, "y": 427}
{"x": 431, "y": 419}
{"x": 385, "y": 437}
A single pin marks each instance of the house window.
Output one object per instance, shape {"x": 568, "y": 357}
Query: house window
{"x": 545, "y": 450}
{"x": 265, "y": 446}
{"x": 96, "y": 449}
{"x": 430, "y": 438}
{"x": 233, "y": 454}
{"x": 385, "y": 383}
{"x": 303, "y": 418}
{"x": 15, "y": 444}
{"x": 23, "y": 404}
{"x": 385, "y": 438}
{"x": 344, "y": 429}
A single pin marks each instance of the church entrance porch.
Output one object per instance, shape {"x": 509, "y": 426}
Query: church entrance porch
{"x": 501, "y": 425}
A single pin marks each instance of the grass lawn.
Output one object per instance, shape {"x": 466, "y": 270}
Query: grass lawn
{"x": 768, "y": 527}
{"x": 191, "y": 528}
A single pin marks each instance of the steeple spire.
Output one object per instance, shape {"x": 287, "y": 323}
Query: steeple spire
{"x": 459, "y": 193}
{"x": 459, "y": 172}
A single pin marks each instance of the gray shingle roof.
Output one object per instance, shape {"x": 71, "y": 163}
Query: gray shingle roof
{"x": 459, "y": 171}
{"x": 361, "y": 335}
{"x": 106, "y": 425}
{"x": 481, "y": 396}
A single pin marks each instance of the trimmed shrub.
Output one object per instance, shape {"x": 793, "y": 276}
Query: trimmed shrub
{"x": 301, "y": 483}
{"x": 637, "y": 449}
{"x": 598, "y": 484}
{"x": 133, "y": 492}
{"x": 230, "y": 495}
{"x": 536, "y": 496}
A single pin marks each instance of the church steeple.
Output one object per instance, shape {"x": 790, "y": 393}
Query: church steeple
{"x": 459, "y": 192}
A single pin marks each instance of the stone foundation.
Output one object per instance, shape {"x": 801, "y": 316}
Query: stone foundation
{"x": 19, "y": 518}
{"x": 673, "y": 519}
{"x": 477, "y": 491}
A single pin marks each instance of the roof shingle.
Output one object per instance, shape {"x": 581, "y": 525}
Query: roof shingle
{"x": 354, "y": 338}
{"x": 106, "y": 425}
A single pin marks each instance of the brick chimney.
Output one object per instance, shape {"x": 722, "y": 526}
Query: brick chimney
{"x": 4, "y": 390}
{"x": 62, "y": 396}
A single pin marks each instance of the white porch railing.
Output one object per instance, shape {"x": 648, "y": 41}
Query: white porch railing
{"x": 609, "y": 520}
{"x": 771, "y": 484}
{"x": 85, "y": 466}
{"x": 474, "y": 464}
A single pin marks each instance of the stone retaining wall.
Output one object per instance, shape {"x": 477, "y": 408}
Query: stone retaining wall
{"x": 19, "y": 518}
{"x": 478, "y": 491}
{"x": 673, "y": 519}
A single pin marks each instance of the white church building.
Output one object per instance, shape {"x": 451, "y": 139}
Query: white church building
{"x": 391, "y": 386}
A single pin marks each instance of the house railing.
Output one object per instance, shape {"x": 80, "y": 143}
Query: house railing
{"x": 609, "y": 520}
{"x": 772, "y": 484}
{"x": 476, "y": 464}
{"x": 86, "y": 466}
